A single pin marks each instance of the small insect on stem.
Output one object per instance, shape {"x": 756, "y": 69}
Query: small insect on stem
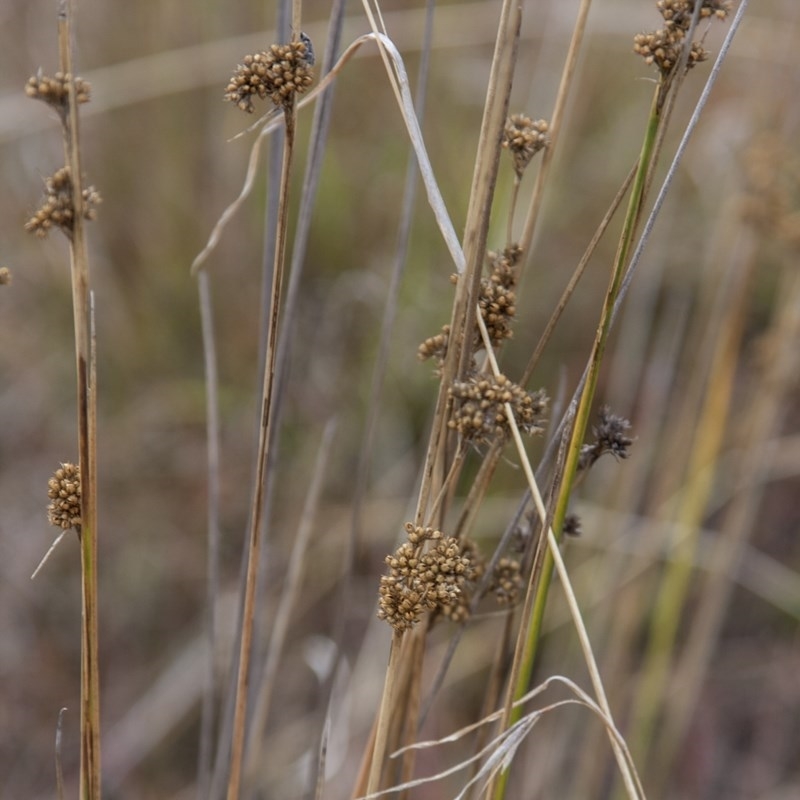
{"x": 306, "y": 40}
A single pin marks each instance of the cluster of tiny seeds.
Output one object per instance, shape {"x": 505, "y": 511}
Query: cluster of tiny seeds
{"x": 609, "y": 437}
{"x": 280, "y": 73}
{"x": 425, "y": 572}
{"x": 663, "y": 47}
{"x": 5, "y": 276}
{"x": 57, "y": 208}
{"x": 479, "y": 413}
{"x": 497, "y": 300}
{"x": 523, "y": 138}
{"x": 435, "y": 347}
{"x": 459, "y": 610}
{"x": 55, "y": 91}
{"x": 506, "y": 581}
{"x": 678, "y": 13}
{"x": 64, "y": 491}
{"x": 771, "y": 200}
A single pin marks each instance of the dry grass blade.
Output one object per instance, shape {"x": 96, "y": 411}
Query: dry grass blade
{"x": 504, "y": 746}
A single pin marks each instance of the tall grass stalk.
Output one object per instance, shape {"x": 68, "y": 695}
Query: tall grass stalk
{"x": 256, "y": 513}
{"x": 90, "y": 773}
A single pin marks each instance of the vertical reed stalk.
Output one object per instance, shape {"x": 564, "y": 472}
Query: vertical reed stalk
{"x": 87, "y": 426}
{"x": 264, "y": 438}
{"x": 527, "y": 643}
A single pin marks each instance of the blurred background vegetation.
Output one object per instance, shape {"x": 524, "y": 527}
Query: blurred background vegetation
{"x": 155, "y": 143}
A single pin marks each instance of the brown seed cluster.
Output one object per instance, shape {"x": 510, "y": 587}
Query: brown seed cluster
{"x": 435, "y": 347}
{"x": 58, "y": 209}
{"x": 663, "y": 47}
{"x": 55, "y": 91}
{"x": 497, "y": 300}
{"x": 427, "y": 571}
{"x": 506, "y": 581}
{"x": 64, "y": 491}
{"x": 5, "y": 276}
{"x": 280, "y": 73}
{"x": 479, "y": 408}
{"x": 771, "y": 202}
{"x": 459, "y": 610}
{"x": 524, "y": 138}
{"x": 610, "y": 436}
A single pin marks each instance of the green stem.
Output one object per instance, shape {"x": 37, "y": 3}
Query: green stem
{"x": 522, "y": 676}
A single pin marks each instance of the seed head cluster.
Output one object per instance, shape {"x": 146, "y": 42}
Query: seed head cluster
{"x": 280, "y": 73}
{"x": 459, "y": 611}
{"x": 497, "y": 300}
{"x": 5, "y": 276}
{"x": 479, "y": 408}
{"x": 506, "y": 581}
{"x": 58, "y": 209}
{"x": 572, "y": 526}
{"x": 427, "y": 571}
{"x": 524, "y": 138}
{"x": 55, "y": 91}
{"x": 771, "y": 202}
{"x": 610, "y": 436}
{"x": 435, "y": 347}
{"x": 663, "y": 47}
{"x": 64, "y": 491}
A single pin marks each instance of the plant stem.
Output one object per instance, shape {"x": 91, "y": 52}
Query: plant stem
{"x": 264, "y": 437}
{"x": 527, "y": 644}
{"x": 87, "y": 426}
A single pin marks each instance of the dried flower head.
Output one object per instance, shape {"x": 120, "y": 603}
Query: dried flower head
{"x": 459, "y": 611}
{"x": 771, "y": 202}
{"x": 523, "y": 138}
{"x": 427, "y": 571}
{"x": 64, "y": 491}
{"x": 479, "y": 408}
{"x": 280, "y": 73}
{"x": 609, "y": 437}
{"x": 678, "y": 13}
{"x": 506, "y": 581}
{"x": 435, "y": 347}
{"x": 58, "y": 209}
{"x": 572, "y": 525}
{"x": 663, "y": 47}
{"x": 5, "y": 276}
{"x": 55, "y": 91}
{"x": 497, "y": 299}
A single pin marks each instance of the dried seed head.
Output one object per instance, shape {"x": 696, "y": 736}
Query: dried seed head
{"x": 771, "y": 202}
{"x": 58, "y": 209}
{"x": 506, "y": 581}
{"x": 523, "y": 138}
{"x": 280, "y": 73}
{"x": 497, "y": 299}
{"x": 572, "y": 525}
{"x": 55, "y": 91}
{"x": 678, "y": 13}
{"x": 427, "y": 571}
{"x": 663, "y": 47}
{"x": 459, "y": 610}
{"x": 5, "y": 276}
{"x": 479, "y": 408}
{"x": 64, "y": 491}
{"x": 435, "y": 347}
{"x": 609, "y": 437}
